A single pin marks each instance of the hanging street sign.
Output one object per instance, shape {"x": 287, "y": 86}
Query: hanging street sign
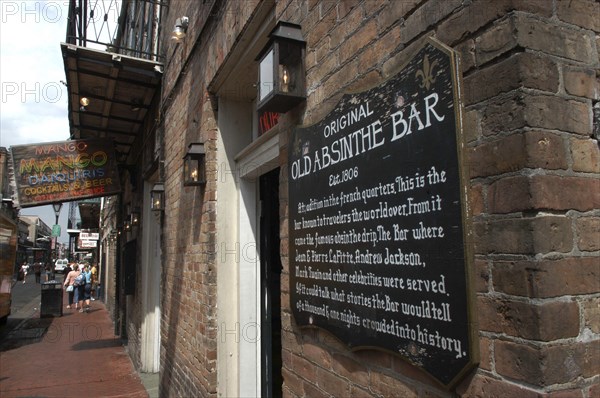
{"x": 89, "y": 235}
{"x": 54, "y": 172}
{"x": 56, "y": 231}
{"x": 87, "y": 244}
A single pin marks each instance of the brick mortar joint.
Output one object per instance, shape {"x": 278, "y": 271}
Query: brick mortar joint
{"x": 530, "y": 216}
{"x": 535, "y": 301}
{"x": 534, "y": 258}
{"x": 500, "y": 337}
{"x": 533, "y": 388}
{"x": 553, "y": 20}
{"x": 521, "y": 94}
{"x": 562, "y": 94}
{"x": 529, "y": 173}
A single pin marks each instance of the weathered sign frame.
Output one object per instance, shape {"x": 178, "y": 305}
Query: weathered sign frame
{"x": 376, "y": 142}
{"x": 53, "y": 172}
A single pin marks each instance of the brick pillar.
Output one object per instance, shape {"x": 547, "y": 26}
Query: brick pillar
{"x": 530, "y": 89}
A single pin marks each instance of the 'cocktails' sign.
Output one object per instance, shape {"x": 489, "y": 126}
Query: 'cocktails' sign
{"x": 64, "y": 171}
{"x": 377, "y": 211}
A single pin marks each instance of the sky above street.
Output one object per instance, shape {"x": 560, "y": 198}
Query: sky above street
{"x": 33, "y": 105}
{"x": 34, "y": 101}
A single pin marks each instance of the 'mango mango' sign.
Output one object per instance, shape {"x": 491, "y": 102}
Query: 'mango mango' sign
{"x": 64, "y": 171}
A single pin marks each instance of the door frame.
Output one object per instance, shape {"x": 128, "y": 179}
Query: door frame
{"x": 270, "y": 284}
{"x": 151, "y": 275}
{"x": 258, "y": 158}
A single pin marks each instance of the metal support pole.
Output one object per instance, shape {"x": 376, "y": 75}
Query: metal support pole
{"x": 56, "y": 207}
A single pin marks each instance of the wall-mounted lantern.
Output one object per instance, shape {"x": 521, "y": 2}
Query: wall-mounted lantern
{"x": 194, "y": 165}
{"x": 157, "y": 197}
{"x": 281, "y": 70}
{"x": 134, "y": 217}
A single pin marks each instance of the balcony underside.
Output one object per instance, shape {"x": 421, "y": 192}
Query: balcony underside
{"x": 120, "y": 90}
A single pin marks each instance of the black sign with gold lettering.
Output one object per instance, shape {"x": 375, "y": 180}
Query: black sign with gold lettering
{"x": 377, "y": 204}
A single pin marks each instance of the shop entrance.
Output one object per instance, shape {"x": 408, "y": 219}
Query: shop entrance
{"x": 270, "y": 286}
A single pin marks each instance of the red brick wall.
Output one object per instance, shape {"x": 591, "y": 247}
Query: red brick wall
{"x": 189, "y": 277}
{"x": 530, "y": 83}
{"x": 188, "y": 303}
{"x": 530, "y": 86}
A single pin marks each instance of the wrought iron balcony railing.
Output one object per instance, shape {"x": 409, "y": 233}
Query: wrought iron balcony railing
{"x": 128, "y": 27}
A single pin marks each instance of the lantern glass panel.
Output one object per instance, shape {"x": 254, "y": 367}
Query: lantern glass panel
{"x": 135, "y": 218}
{"x": 194, "y": 165}
{"x": 201, "y": 176}
{"x": 192, "y": 170}
{"x": 267, "y": 84}
{"x": 157, "y": 197}
{"x": 157, "y": 200}
{"x": 291, "y": 73}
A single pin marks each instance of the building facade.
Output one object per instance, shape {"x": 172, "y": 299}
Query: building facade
{"x": 9, "y": 213}
{"x": 37, "y": 242}
{"x": 201, "y": 289}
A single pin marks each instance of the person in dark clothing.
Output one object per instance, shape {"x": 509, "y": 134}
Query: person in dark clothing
{"x": 67, "y": 269}
{"x": 49, "y": 272}
{"x": 37, "y": 270}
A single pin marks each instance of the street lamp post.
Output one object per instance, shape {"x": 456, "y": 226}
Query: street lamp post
{"x": 56, "y": 207}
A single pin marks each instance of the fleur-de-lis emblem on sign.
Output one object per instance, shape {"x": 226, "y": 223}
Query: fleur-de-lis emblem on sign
{"x": 426, "y": 74}
{"x": 297, "y": 148}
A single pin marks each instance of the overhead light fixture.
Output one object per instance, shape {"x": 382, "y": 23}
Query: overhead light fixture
{"x": 180, "y": 30}
{"x": 57, "y": 206}
{"x": 84, "y": 102}
{"x": 281, "y": 69}
{"x": 157, "y": 197}
{"x": 194, "y": 165}
{"x": 136, "y": 105}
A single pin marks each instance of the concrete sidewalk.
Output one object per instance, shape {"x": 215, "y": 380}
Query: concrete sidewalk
{"x": 76, "y": 355}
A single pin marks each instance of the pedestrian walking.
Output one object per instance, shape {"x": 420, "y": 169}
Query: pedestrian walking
{"x": 68, "y": 269}
{"x": 85, "y": 290}
{"x": 47, "y": 272}
{"x": 37, "y": 270}
{"x": 70, "y": 286}
{"x": 94, "y": 272}
{"x": 24, "y": 270}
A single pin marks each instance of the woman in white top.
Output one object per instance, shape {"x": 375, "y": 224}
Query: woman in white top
{"x": 24, "y": 270}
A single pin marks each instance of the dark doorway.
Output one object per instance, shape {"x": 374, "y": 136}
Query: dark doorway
{"x": 270, "y": 276}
